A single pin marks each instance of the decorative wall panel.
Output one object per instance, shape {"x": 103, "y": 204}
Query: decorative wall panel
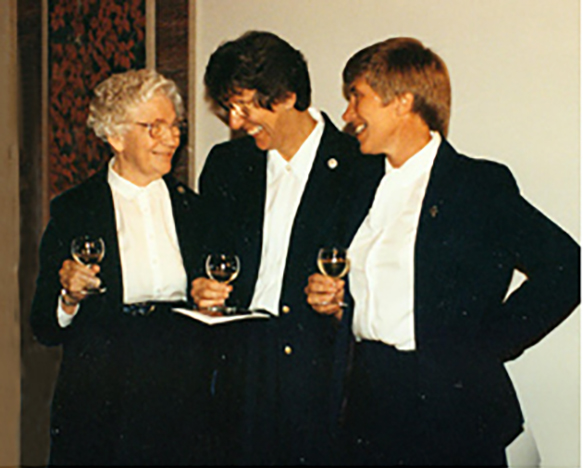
{"x": 88, "y": 41}
{"x": 172, "y": 21}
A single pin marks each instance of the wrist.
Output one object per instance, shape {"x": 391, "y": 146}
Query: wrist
{"x": 66, "y": 299}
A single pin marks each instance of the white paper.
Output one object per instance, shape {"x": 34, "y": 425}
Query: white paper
{"x": 218, "y": 319}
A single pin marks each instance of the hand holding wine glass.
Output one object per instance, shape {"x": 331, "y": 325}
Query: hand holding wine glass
{"x": 223, "y": 268}
{"x": 88, "y": 251}
{"x": 333, "y": 263}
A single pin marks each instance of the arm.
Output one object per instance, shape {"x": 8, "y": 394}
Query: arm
{"x": 549, "y": 258}
{"x": 58, "y": 273}
{"x": 43, "y": 318}
{"x": 217, "y": 200}
{"x": 217, "y": 204}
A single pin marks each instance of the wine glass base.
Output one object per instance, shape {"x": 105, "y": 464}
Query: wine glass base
{"x": 224, "y": 310}
{"x": 93, "y": 291}
{"x": 340, "y": 304}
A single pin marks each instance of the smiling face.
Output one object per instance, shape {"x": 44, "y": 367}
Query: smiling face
{"x": 375, "y": 123}
{"x": 267, "y": 127}
{"x": 140, "y": 158}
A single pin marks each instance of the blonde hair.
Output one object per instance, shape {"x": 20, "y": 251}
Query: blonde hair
{"x": 404, "y": 65}
{"x": 114, "y": 96}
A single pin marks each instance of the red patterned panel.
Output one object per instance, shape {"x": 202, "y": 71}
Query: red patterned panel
{"x": 88, "y": 41}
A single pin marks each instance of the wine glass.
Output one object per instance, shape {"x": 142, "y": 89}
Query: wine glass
{"x": 88, "y": 250}
{"x": 334, "y": 262}
{"x": 223, "y": 268}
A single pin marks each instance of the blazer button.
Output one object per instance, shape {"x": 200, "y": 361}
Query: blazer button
{"x": 285, "y": 309}
{"x": 288, "y": 350}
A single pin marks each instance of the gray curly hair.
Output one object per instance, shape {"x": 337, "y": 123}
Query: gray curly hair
{"x": 114, "y": 96}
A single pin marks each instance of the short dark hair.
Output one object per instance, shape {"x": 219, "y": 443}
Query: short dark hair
{"x": 400, "y": 65}
{"x": 260, "y": 61}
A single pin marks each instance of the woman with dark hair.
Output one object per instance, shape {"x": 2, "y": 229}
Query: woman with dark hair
{"x": 275, "y": 197}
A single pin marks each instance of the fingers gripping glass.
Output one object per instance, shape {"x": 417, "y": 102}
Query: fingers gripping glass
{"x": 88, "y": 251}
{"x": 159, "y": 128}
{"x": 334, "y": 262}
{"x": 223, "y": 268}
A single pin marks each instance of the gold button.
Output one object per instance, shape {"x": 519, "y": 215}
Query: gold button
{"x": 288, "y": 350}
{"x": 285, "y": 309}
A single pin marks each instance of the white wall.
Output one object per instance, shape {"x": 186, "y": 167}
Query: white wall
{"x": 9, "y": 242}
{"x": 514, "y": 66}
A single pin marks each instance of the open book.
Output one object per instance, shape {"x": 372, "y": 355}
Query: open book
{"x": 233, "y": 315}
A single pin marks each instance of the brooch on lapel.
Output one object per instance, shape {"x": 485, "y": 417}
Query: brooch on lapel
{"x": 433, "y": 211}
{"x": 180, "y": 189}
{"x": 332, "y": 163}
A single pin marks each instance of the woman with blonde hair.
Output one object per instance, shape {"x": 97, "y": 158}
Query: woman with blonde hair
{"x": 131, "y": 388}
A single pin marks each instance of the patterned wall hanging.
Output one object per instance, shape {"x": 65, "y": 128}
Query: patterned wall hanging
{"x": 88, "y": 41}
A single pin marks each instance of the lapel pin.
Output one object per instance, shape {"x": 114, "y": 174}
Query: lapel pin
{"x": 433, "y": 211}
{"x": 180, "y": 189}
{"x": 332, "y": 163}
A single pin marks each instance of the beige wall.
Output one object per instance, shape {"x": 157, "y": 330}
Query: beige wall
{"x": 9, "y": 243}
{"x": 515, "y": 73}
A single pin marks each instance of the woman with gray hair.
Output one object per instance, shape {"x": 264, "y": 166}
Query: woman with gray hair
{"x": 131, "y": 388}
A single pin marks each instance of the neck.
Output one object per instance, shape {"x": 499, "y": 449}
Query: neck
{"x": 120, "y": 170}
{"x": 410, "y": 140}
{"x": 300, "y": 125}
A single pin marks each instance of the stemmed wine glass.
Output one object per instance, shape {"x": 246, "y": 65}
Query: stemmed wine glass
{"x": 223, "y": 268}
{"x": 334, "y": 262}
{"x": 88, "y": 250}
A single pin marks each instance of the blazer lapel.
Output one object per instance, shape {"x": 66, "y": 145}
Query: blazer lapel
{"x": 441, "y": 185}
{"x": 323, "y": 190}
{"x": 249, "y": 236}
{"x": 432, "y": 230}
{"x": 101, "y": 216}
{"x": 189, "y": 225}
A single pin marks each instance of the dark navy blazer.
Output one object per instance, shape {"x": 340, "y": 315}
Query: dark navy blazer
{"x": 276, "y": 380}
{"x": 125, "y": 383}
{"x": 474, "y": 230}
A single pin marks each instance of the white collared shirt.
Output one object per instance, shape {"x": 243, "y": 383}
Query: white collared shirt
{"x": 382, "y": 253}
{"x": 151, "y": 262}
{"x": 286, "y": 182}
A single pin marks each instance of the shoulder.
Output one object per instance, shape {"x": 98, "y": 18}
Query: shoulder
{"x": 347, "y": 148}
{"x": 228, "y": 162}
{"x": 78, "y": 197}
{"x": 238, "y": 148}
{"x": 179, "y": 188}
{"x": 478, "y": 173}
{"x": 337, "y": 140}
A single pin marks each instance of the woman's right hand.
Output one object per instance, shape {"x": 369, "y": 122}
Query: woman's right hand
{"x": 208, "y": 293}
{"x": 76, "y": 279}
{"x": 325, "y": 294}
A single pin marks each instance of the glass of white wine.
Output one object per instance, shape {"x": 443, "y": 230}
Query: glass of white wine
{"x": 223, "y": 268}
{"x": 88, "y": 251}
{"x": 334, "y": 262}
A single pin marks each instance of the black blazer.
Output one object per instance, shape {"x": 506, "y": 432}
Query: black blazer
{"x": 278, "y": 374}
{"x": 118, "y": 373}
{"x": 474, "y": 229}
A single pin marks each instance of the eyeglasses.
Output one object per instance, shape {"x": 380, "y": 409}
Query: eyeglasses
{"x": 158, "y": 128}
{"x": 242, "y": 109}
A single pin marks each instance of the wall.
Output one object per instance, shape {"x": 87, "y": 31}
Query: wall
{"x": 515, "y": 74}
{"x": 9, "y": 243}
{"x": 39, "y": 364}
